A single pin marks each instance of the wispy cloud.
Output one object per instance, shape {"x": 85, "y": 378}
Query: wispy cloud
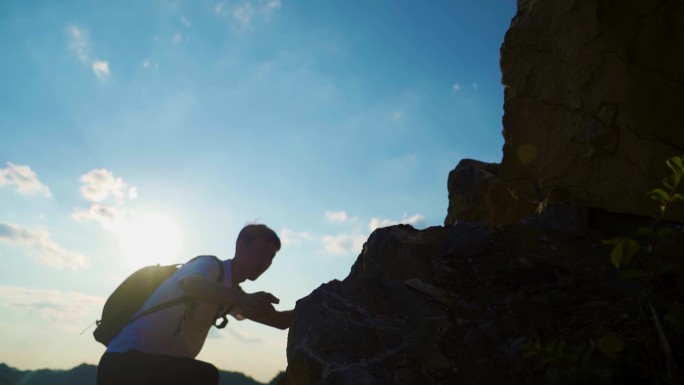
{"x": 475, "y": 86}
{"x": 185, "y": 22}
{"x": 147, "y": 64}
{"x": 343, "y": 243}
{"x": 80, "y": 45}
{"x": 375, "y": 223}
{"x": 271, "y": 6}
{"x": 109, "y": 217}
{"x": 78, "y": 42}
{"x": 101, "y": 68}
{"x": 336, "y": 216}
{"x": 245, "y": 14}
{"x": 100, "y": 184}
{"x": 219, "y": 8}
{"x": 41, "y": 247}
{"x": 457, "y": 87}
{"x": 289, "y": 237}
{"x": 68, "y": 310}
{"x": 23, "y": 179}
{"x": 107, "y": 193}
{"x": 395, "y": 117}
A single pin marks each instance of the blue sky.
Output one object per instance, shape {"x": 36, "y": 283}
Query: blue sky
{"x": 134, "y": 133}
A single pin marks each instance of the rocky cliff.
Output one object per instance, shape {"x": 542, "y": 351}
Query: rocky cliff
{"x": 518, "y": 286}
{"x": 593, "y": 94}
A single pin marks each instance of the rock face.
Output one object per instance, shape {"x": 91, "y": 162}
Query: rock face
{"x": 458, "y": 305}
{"x": 477, "y": 195}
{"x": 594, "y": 91}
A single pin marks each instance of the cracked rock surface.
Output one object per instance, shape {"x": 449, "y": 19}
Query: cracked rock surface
{"x": 456, "y": 304}
{"x": 594, "y": 91}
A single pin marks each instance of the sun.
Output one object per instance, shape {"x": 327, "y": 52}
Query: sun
{"x": 150, "y": 239}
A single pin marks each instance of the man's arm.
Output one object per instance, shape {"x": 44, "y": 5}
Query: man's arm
{"x": 269, "y": 316}
{"x": 201, "y": 288}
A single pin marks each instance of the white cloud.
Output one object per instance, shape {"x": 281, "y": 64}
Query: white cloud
{"x": 44, "y": 250}
{"x": 177, "y": 38}
{"x": 23, "y": 179}
{"x": 109, "y": 217}
{"x": 456, "y": 87}
{"x": 99, "y": 184}
{"x": 67, "y": 310}
{"x": 271, "y": 6}
{"x": 147, "y": 63}
{"x": 101, "y": 68}
{"x": 243, "y": 14}
{"x": 343, "y": 243}
{"x": 248, "y": 12}
{"x": 289, "y": 237}
{"x": 78, "y": 42}
{"x": 336, "y": 216}
{"x": 219, "y": 8}
{"x": 475, "y": 86}
{"x": 412, "y": 220}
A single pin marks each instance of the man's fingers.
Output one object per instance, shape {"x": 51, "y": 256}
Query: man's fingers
{"x": 268, "y": 297}
{"x": 272, "y": 298}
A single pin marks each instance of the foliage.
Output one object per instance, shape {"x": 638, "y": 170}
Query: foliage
{"x": 654, "y": 261}
{"x": 649, "y": 258}
{"x": 570, "y": 364}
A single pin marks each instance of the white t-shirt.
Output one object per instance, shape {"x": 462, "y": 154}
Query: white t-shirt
{"x": 179, "y": 330}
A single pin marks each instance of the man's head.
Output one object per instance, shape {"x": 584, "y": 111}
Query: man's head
{"x": 255, "y": 247}
{"x": 257, "y": 231}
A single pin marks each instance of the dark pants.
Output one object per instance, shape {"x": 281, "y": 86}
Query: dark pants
{"x": 136, "y": 368}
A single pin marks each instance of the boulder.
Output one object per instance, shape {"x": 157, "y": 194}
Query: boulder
{"x": 477, "y": 195}
{"x": 467, "y": 304}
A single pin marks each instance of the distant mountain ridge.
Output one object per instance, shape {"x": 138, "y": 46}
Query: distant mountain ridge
{"x": 84, "y": 374}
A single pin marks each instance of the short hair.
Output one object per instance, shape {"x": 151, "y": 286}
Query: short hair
{"x": 258, "y": 231}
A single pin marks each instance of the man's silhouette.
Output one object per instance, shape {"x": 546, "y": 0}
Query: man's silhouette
{"x": 160, "y": 348}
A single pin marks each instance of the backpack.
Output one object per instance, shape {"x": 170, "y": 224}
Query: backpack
{"x": 131, "y": 294}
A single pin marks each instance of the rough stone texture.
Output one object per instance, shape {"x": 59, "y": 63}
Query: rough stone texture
{"x": 594, "y": 91}
{"x": 477, "y": 195}
{"x": 455, "y": 305}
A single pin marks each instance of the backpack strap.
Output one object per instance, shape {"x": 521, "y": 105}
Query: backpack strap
{"x": 185, "y": 298}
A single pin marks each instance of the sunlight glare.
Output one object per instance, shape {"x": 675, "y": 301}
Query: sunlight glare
{"x": 150, "y": 239}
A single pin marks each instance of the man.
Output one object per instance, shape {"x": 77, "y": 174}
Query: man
{"x": 160, "y": 348}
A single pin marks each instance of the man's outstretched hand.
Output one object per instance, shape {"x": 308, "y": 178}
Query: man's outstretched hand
{"x": 259, "y": 308}
{"x": 257, "y": 304}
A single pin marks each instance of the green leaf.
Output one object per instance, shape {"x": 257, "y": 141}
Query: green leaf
{"x": 676, "y": 164}
{"x": 575, "y": 355}
{"x": 645, "y": 232}
{"x": 586, "y": 355}
{"x": 664, "y": 269}
{"x": 610, "y": 344}
{"x": 677, "y": 197}
{"x": 632, "y": 274}
{"x": 623, "y": 252}
{"x": 674, "y": 179}
{"x": 611, "y": 241}
{"x": 666, "y": 233}
{"x": 658, "y": 194}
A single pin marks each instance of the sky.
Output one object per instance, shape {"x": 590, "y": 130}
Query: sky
{"x": 142, "y": 132}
